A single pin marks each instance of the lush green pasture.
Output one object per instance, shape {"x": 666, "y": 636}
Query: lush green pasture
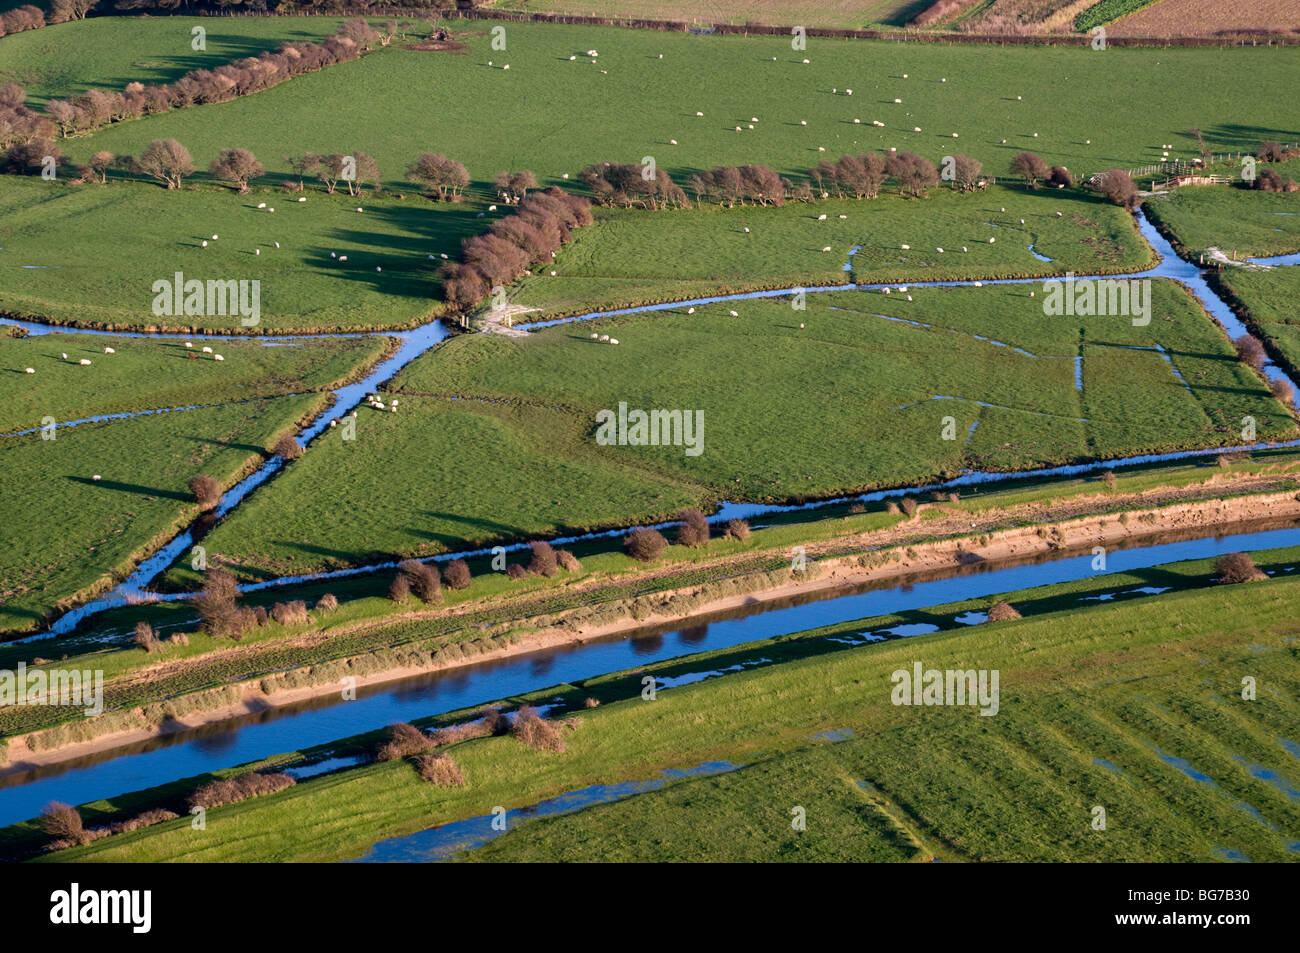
{"x": 91, "y": 254}
{"x": 630, "y": 258}
{"x": 147, "y": 374}
{"x": 65, "y": 533}
{"x": 1242, "y": 223}
{"x": 1269, "y": 296}
{"x": 495, "y": 438}
{"x": 554, "y": 115}
{"x": 838, "y": 14}
{"x": 1096, "y": 708}
{"x": 108, "y": 52}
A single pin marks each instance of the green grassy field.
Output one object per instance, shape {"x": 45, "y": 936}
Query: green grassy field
{"x": 1097, "y": 708}
{"x": 68, "y": 59}
{"x": 630, "y": 258}
{"x": 66, "y": 534}
{"x": 838, "y": 14}
{"x": 1268, "y": 295}
{"x": 148, "y": 374}
{"x": 56, "y": 263}
{"x": 437, "y": 101}
{"x": 852, "y": 401}
{"x": 1244, "y": 223}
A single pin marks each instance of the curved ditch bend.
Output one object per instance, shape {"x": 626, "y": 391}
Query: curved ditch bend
{"x": 415, "y": 343}
{"x": 327, "y": 719}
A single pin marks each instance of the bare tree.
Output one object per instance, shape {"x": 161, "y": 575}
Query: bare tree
{"x": 167, "y": 161}
{"x": 439, "y": 172}
{"x": 1029, "y": 167}
{"x": 236, "y": 166}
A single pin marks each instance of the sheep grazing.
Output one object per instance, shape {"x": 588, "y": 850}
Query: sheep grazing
{"x": 1022, "y": 221}
{"x": 565, "y": 176}
{"x": 604, "y": 337}
{"x": 753, "y": 119}
{"x": 217, "y": 357}
{"x": 807, "y": 61}
{"x": 979, "y": 284}
{"x": 735, "y": 314}
{"x": 261, "y": 205}
{"x": 672, "y": 142}
{"x": 898, "y": 102}
{"x": 1087, "y": 142}
{"x": 1035, "y": 135}
{"x": 572, "y": 59}
{"x": 909, "y": 297}
{"x": 992, "y": 239}
{"x": 492, "y": 208}
{"x": 690, "y": 310}
{"x": 272, "y": 210}
{"x": 1058, "y": 214}
{"x": 803, "y": 122}
{"x": 443, "y": 255}
{"x": 358, "y": 208}
{"x": 507, "y": 66}
{"x": 878, "y": 123}
{"x": 109, "y": 350}
{"x": 821, "y": 148}
{"x": 939, "y": 250}
{"x": 886, "y": 291}
{"x": 187, "y": 344}
{"x": 334, "y": 423}
{"x": 843, "y": 216}
{"x": 904, "y": 76}
{"x": 849, "y": 92}
{"x": 84, "y": 362}
{"x": 944, "y": 79}
{"x": 1004, "y": 142}
{"x": 1018, "y": 99}
{"x": 801, "y": 325}
{"x": 661, "y": 56}
{"x": 552, "y": 274}
{"x": 746, "y": 232}
{"x": 963, "y": 247}
{"x": 205, "y": 243}
{"x": 737, "y": 129}
{"x": 907, "y": 248}
{"x": 378, "y": 268}
{"x": 65, "y": 355}
{"x": 343, "y": 257}
{"x": 97, "y": 478}
{"x": 827, "y": 248}
{"x": 277, "y": 244}
{"x": 334, "y": 254}
{"x": 613, "y": 340}
{"x": 857, "y": 122}
{"x": 916, "y": 128}
{"x": 215, "y": 237}
{"x": 700, "y": 114}
{"x": 751, "y": 125}
{"x": 29, "y": 370}
{"x": 257, "y": 251}
{"x": 594, "y": 336}
{"x": 821, "y": 217}
{"x": 954, "y": 135}
{"x": 207, "y": 350}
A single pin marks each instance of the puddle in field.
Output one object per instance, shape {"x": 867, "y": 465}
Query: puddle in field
{"x": 1290, "y": 747}
{"x": 1113, "y": 768}
{"x": 972, "y": 618}
{"x": 834, "y": 735}
{"x": 1269, "y": 776}
{"x": 302, "y": 772}
{"x": 442, "y": 843}
{"x": 1228, "y": 853}
{"x": 1185, "y": 766}
{"x": 677, "y": 681}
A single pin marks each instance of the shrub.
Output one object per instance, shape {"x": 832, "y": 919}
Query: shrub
{"x": 400, "y": 740}
{"x": 180, "y": 638}
{"x": 327, "y": 603}
{"x": 908, "y": 505}
{"x": 287, "y": 447}
{"x": 530, "y": 729}
{"x": 216, "y": 604}
{"x": 1109, "y": 479}
{"x": 290, "y": 613}
{"x": 440, "y": 770}
{"x": 1002, "y": 611}
{"x": 1060, "y": 175}
{"x": 543, "y": 562}
{"x": 591, "y": 702}
{"x": 516, "y": 571}
{"x": 1236, "y": 567}
{"x": 149, "y": 818}
{"x": 1250, "y": 351}
{"x": 456, "y": 574}
{"x": 399, "y": 590}
{"x": 206, "y": 490}
{"x": 568, "y": 561}
{"x": 62, "y": 822}
{"x": 1283, "y": 391}
{"x": 145, "y": 638}
{"x": 424, "y": 580}
{"x": 229, "y": 790}
{"x": 893, "y": 507}
{"x": 1118, "y": 186}
{"x": 645, "y": 545}
{"x": 738, "y": 529}
{"x": 260, "y": 615}
{"x": 1029, "y": 167}
{"x": 693, "y": 530}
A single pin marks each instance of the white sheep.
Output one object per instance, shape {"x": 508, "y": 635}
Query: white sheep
{"x": 217, "y": 357}
{"x": 916, "y": 128}
{"x": 807, "y": 61}
{"x": 849, "y": 91}
{"x": 821, "y": 217}
{"x": 954, "y": 135}
{"x": 277, "y": 244}
{"x": 215, "y": 237}
{"x": 187, "y": 344}
{"x": 898, "y": 102}
{"x": 109, "y": 350}
{"x": 672, "y": 142}
{"x": 257, "y": 251}
{"x": 65, "y": 355}
{"x": 753, "y": 119}
{"x": 343, "y": 257}
{"x": 207, "y": 350}
{"x": 878, "y": 123}
{"x": 29, "y": 370}
{"x": 963, "y": 247}
{"x": 272, "y": 210}
{"x": 1022, "y": 221}
{"x": 979, "y": 284}
{"x": 857, "y": 122}
{"x": 594, "y": 335}
{"x": 492, "y": 208}
{"x": 334, "y": 423}
{"x": 261, "y": 205}
{"x": 690, "y": 310}
{"x": 843, "y": 216}
{"x": 700, "y": 114}
{"x": 205, "y": 243}
{"x": 992, "y": 239}
{"x": 821, "y": 148}
{"x": 746, "y": 232}
{"x": 300, "y": 200}
{"x": 359, "y": 208}
{"x": 613, "y": 340}
{"x": 803, "y": 122}
{"x": 604, "y": 337}
{"x": 334, "y": 254}
{"x": 507, "y": 66}
{"x": 97, "y": 478}
{"x": 735, "y": 314}
{"x": 84, "y": 362}
{"x": 939, "y": 250}
{"x": 827, "y": 248}
{"x": 907, "y": 248}
{"x": 909, "y": 297}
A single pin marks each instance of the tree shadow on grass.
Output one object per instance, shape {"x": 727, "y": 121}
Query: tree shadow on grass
{"x": 132, "y": 488}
